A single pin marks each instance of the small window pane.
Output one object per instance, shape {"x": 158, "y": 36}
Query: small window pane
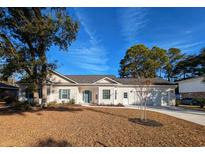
{"x": 125, "y": 95}
{"x": 64, "y": 93}
{"x": 106, "y": 94}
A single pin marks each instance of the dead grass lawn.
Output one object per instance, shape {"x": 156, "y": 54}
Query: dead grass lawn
{"x": 91, "y": 126}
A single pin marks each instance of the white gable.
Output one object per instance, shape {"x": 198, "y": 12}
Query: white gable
{"x": 57, "y": 78}
{"x": 106, "y": 81}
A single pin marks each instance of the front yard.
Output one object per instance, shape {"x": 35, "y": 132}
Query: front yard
{"x": 92, "y": 126}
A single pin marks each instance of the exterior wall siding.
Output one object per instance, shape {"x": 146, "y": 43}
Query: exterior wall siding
{"x": 192, "y": 88}
{"x": 154, "y": 96}
{"x": 106, "y": 101}
{"x": 193, "y": 95}
{"x": 54, "y": 94}
{"x": 192, "y": 85}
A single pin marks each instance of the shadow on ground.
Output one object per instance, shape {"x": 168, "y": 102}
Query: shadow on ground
{"x": 10, "y": 111}
{"x": 148, "y": 122}
{"x": 13, "y": 111}
{"x": 49, "y": 142}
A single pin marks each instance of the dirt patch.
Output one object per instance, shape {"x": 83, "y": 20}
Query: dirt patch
{"x": 90, "y": 126}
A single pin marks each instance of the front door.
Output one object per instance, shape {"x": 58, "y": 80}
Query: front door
{"x": 87, "y": 96}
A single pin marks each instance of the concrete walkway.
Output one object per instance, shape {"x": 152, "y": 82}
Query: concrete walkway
{"x": 185, "y": 114}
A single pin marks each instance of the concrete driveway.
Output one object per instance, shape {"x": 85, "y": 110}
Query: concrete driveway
{"x": 185, "y": 114}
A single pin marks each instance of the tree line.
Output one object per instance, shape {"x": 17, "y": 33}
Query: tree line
{"x": 142, "y": 62}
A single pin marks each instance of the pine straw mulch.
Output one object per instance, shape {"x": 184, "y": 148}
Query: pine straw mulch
{"x": 91, "y": 126}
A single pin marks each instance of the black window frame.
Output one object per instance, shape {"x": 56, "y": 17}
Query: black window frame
{"x": 106, "y": 94}
{"x": 61, "y": 94}
{"x": 125, "y": 95}
{"x": 115, "y": 94}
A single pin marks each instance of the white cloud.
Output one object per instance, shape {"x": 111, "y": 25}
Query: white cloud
{"x": 132, "y": 20}
{"x": 188, "y": 46}
{"x": 91, "y": 56}
{"x": 184, "y": 45}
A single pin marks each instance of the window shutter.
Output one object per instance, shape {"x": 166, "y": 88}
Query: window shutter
{"x": 59, "y": 93}
{"x": 68, "y": 93}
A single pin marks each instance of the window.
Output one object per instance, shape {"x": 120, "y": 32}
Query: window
{"x": 106, "y": 94}
{"x": 48, "y": 90}
{"x": 40, "y": 92}
{"x": 125, "y": 95}
{"x": 115, "y": 94}
{"x": 64, "y": 94}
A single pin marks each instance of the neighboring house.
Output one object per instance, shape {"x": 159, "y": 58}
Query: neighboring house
{"x": 8, "y": 91}
{"x": 192, "y": 87}
{"x": 105, "y": 89}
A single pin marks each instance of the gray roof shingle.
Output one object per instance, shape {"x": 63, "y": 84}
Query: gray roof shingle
{"x": 144, "y": 81}
{"x": 126, "y": 81}
{"x": 88, "y": 78}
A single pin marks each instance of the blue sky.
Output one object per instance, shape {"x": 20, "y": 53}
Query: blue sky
{"x": 106, "y": 33}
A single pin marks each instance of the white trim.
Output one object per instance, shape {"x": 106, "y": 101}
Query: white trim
{"x": 115, "y": 85}
{"x": 107, "y": 79}
{"x": 61, "y": 75}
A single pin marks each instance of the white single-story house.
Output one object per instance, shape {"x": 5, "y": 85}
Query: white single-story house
{"x": 106, "y": 89}
{"x": 192, "y": 87}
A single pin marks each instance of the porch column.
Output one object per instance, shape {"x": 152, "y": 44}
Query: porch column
{"x": 98, "y": 95}
{"x": 168, "y": 103}
{"x": 44, "y": 94}
{"x": 78, "y": 96}
{"x": 113, "y": 95}
{"x": 52, "y": 93}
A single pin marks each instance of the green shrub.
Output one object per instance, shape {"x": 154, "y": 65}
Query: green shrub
{"x": 178, "y": 102}
{"x": 53, "y": 103}
{"x": 21, "y": 106}
{"x": 94, "y": 104}
{"x": 72, "y": 101}
{"x": 201, "y": 101}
